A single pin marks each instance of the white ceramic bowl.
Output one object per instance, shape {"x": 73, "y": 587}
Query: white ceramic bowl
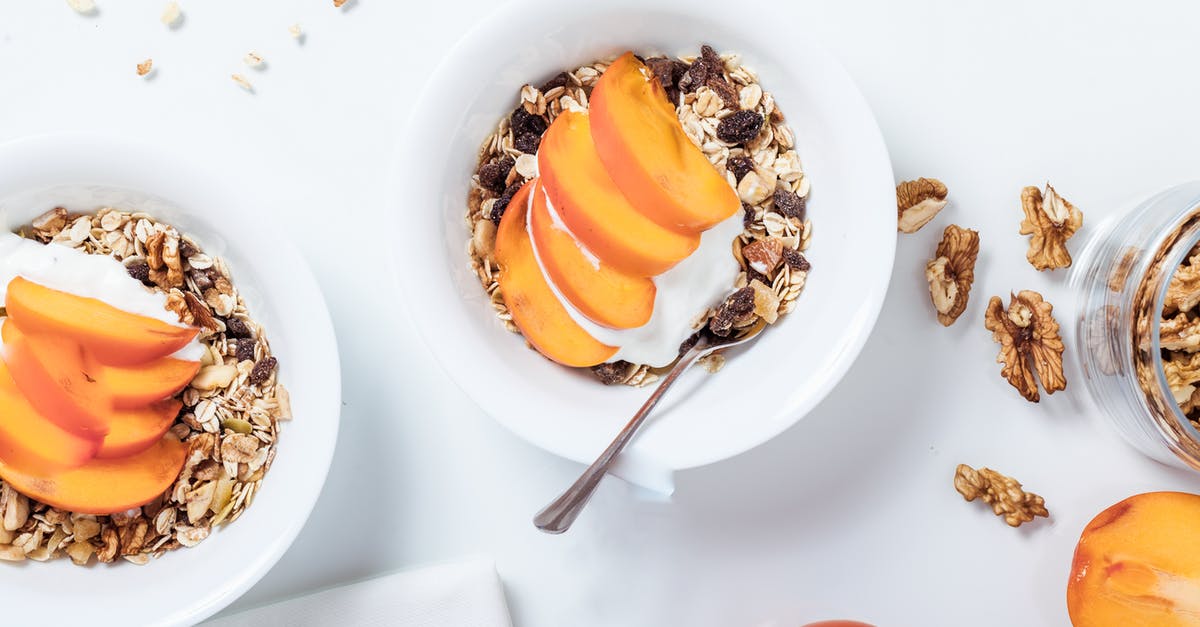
{"x": 85, "y": 172}
{"x": 762, "y": 390}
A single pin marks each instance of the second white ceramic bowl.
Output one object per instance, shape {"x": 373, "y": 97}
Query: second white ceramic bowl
{"x": 763, "y": 389}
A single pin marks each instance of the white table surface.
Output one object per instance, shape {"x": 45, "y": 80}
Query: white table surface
{"x": 849, "y": 514}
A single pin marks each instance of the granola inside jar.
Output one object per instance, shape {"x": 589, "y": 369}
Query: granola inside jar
{"x": 1130, "y": 351}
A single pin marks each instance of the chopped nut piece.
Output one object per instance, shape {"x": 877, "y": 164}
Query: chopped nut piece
{"x": 214, "y": 377}
{"x": 1004, "y": 494}
{"x": 952, "y": 271}
{"x": 1029, "y": 343}
{"x": 242, "y": 82}
{"x": 1181, "y": 333}
{"x": 144, "y": 67}
{"x": 764, "y": 255}
{"x": 917, "y": 202}
{"x": 1183, "y": 290}
{"x": 1051, "y": 220}
{"x": 253, "y": 59}
{"x": 171, "y": 14}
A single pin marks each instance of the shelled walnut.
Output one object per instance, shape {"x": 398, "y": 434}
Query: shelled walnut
{"x": 1051, "y": 221}
{"x": 952, "y": 271}
{"x": 1029, "y": 343}
{"x": 1003, "y": 493}
{"x": 917, "y": 202}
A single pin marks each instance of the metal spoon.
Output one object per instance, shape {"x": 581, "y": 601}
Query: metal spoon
{"x": 562, "y": 511}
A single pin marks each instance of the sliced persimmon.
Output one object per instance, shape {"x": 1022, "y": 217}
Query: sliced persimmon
{"x": 103, "y": 486}
{"x": 648, "y": 155}
{"x": 534, "y": 306}
{"x": 53, "y": 373}
{"x": 604, "y": 294}
{"x": 31, "y": 441}
{"x": 138, "y": 386}
{"x": 131, "y": 431}
{"x": 595, "y": 210}
{"x": 113, "y": 336}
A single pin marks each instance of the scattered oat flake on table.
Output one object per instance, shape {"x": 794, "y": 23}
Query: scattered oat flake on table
{"x": 84, "y": 7}
{"x": 171, "y": 14}
{"x": 253, "y": 59}
{"x": 294, "y": 31}
{"x": 1004, "y": 494}
{"x": 144, "y": 67}
{"x": 242, "y": 82}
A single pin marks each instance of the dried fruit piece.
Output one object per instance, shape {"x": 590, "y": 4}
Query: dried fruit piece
{"x": 795, "y": 260}
{"x": 523, "y": 122}
{"x": 740, "y": 127}
{"x": 952, "y": 271}
{"x": 917, "y": 202}
{"x": 736, "y": 305}
{"x": 1029, "y": 343}
{"x": 766, "y": 302}
{"x": 262, "y": 371}
{"x": 493, "y": 174}
{"x": 1051, "y": 220}
{"x": 1003, "y": 493}
{"x": 763, "y": 255}
{"x": 790, "y": 204}
{"x": 144, "y": 67}
{"x": 501, "y": 203}
{"x": 740, "y": 166}
{"x": 527, "y": 142}
{"x": 612, "y": 373}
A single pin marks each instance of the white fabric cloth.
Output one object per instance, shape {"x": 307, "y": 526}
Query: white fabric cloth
{"x": 467, "y": 594}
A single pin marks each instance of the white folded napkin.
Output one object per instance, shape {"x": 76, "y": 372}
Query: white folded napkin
{"x": 466, "y": 594}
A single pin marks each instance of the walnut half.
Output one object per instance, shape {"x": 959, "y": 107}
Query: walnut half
{"x": 1004, "y": 494}
{"x": 1051, "y": 220}
{"x": 917, "y": 202}
{"x": 1029, "y": 342}
{"x": 952, "y": 271}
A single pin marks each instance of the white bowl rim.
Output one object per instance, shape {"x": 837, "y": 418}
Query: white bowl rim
{"x": 475, "y": 42}
{"x": 161, "y": 168}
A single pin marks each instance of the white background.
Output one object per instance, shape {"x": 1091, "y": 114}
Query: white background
{"x": 849, "y": 514}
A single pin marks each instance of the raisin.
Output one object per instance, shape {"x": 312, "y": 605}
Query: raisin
{"x": 245, "y": 350}
{"x": 139, "y": 270}
{"x": 735, "y": 306}
{"x": 558, "y": 81}
{"x": 187, "y": 249}
{"x": 527, "y": 142}
{"x": 796, "y": 260}
{"x": 729, "y": 95}
{"x": 789, "y": 204}
{"x": 235, "y": 328}
{"x": 739, "y": 166}
{"x": 611, "y": 373}
{"x": 523, "y": 122}
{"x": 201, "y": 280}
{"x": 711, "y": 60}
{"x": 740, "y": 127}
{"x": 690, "y": 343}
{"x": 747, "y": 215}
{"x": 695, "y": 76}
{"x": 663, "y": 69}
{"x": 493, "y": 174}
{"x": 262, "y": 371}
{"x": 753, "y": 275}
{"x": 502, "y": 202}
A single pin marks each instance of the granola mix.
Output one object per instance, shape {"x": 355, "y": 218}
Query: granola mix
{"x": 230, "y": 419}
{"x": 726, "y": 113}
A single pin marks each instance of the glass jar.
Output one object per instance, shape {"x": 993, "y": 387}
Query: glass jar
{"x": 1121, "y": 285}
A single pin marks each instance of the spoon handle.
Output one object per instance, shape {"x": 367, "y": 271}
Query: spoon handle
{"x": 562, "y": 511}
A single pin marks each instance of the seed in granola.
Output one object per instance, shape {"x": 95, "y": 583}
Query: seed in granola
{"x": 493, "y": 173}
{"x": 612, "y": 373}
{"x": 738, "y": 304}
{"x": 739, "y": 166}
{"x": 740, "y": 127}
{"x": 796, "y": 260}
{"x": 527, "y": 142}
{"x": 235, "y": 328}
{"x": 790, "y": 204}
{"x": 139, "y": 270}
{"x": 523, "y": 122}
{"x": 502, "y": 202}
{"x": 262, "y": 371}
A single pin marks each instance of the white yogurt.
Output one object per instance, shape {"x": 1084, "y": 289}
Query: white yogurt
{"x": 700, "y": 281}
{"x": 91, "y": 276}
